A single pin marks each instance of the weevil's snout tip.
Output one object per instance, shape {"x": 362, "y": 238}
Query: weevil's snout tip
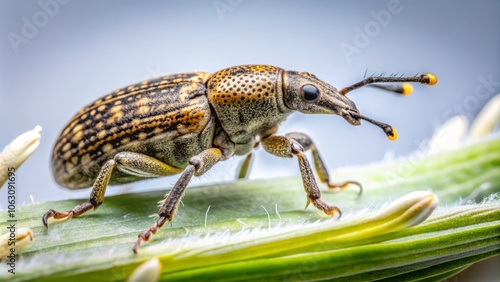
{"x": 351, "y": 116}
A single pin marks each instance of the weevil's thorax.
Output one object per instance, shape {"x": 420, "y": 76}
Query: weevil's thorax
{"x": 248, "y": 100}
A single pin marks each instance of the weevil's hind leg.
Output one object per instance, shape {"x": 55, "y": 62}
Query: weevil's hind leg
{"x": 128, "y": 162}
{"x": 283, "y": 146}
{"x": 96, "y": 196}
{"x": 306, "y": 142}
{"x": 198, "y": 165}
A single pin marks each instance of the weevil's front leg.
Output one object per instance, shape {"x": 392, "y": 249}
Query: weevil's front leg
{"x": 198, "y": 165}
{"x": 128, "y": 162}
{"x": 283, "y": 146}
{"x": 306, "y": 143}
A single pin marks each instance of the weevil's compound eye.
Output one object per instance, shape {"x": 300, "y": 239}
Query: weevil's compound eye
{"x": 310, "y": 93}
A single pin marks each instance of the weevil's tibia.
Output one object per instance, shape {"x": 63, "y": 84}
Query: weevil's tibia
{"x": 96, "y": 196}
{"x": 169, "y": 207}
{"x": 307, "y": 144}
{"x": 283, "y": 146}
{"x": 130, "y": 162}
{"x": 427, "y": 78}
{"x": 198, "y": 165}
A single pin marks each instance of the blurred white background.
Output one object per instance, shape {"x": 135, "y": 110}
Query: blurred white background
{"x": 57, "y": 56}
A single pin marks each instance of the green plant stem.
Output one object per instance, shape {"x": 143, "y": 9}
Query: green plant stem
{"x": 97, "y": 246}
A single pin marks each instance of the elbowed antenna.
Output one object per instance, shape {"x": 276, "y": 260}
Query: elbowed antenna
{"x": 391, "y": 133}
{"x": 404, "y": 89}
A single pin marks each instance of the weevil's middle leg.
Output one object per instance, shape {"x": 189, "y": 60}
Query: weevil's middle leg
{"x": 128, "y": 162}
{"x": 284, "y": 146}
{"x": 246, "y": 164}
{"x": 198, "y": 165}
{"x": 306, "y": 142}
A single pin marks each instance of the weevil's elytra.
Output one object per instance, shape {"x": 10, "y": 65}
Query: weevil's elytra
{"x": 140, "y": 118}
{"x": 186, "y": 123}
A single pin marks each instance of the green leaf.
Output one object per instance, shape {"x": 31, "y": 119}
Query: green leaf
{"x": 259, "y": 230}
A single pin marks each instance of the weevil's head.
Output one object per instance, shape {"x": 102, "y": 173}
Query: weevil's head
{"x": 304, "y": 92}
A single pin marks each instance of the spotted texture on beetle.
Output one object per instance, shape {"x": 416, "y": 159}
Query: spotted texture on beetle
{"x": 245, "y": 95}
{"x": 187, "y": 123}
{"x": 241, "y": 85}
{"x": 146, "y": 85}
{"x": 170, "y": 106}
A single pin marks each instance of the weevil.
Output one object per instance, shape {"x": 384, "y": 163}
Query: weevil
{"x": 186, "y": 123}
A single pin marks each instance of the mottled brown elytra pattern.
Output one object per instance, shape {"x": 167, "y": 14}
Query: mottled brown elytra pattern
{"x": 134, "y": 119}
{"x": 186, "y": 123}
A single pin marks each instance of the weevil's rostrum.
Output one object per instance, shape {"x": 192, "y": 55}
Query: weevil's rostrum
{"x": 186, "y": 123}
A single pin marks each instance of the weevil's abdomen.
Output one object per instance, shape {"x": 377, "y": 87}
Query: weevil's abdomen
{"x": 168, "y": 118}
{"x": 247, "y": 100}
